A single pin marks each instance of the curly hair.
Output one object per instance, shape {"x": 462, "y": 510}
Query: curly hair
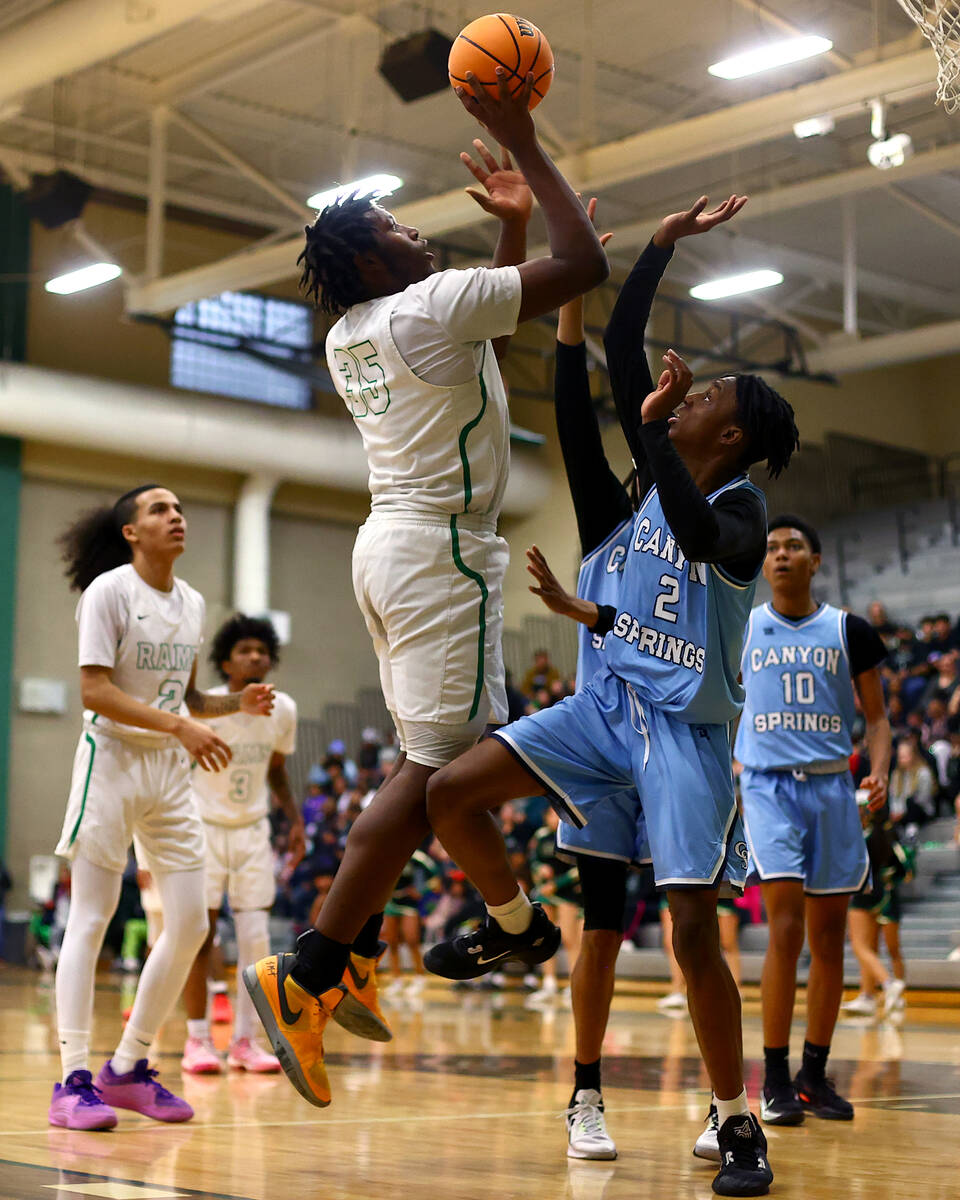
{"x": 341, "y": 232}
{"x": 768, "y": 422}
{"x": 236, "y": 629}
{"x": 94, "y": 543}
{"x": 792, "y": 521}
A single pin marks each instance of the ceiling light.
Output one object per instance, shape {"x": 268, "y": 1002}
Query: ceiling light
{"x": 815, "y": 126}
{"x": 85, "y": 277}
{"x": 374, "y": 185}
{"x": 773, "y": 54}
{"x": 735, "y": 285}
{"x": 891, "y": 152}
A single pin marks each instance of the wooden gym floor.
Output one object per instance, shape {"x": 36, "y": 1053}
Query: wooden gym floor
{"x": 466, "y": 1104}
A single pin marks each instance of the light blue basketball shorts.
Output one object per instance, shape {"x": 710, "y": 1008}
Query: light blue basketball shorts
{"x": 616, "y": 829}
{"x": 806, "y": 827}
{"x": 606, "y": 740}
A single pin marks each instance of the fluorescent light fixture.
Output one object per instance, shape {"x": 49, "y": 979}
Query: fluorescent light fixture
{"x": 374, "y": 185}
{"x": 773, "y": 54}
{"x": 736, "y": 285}
{"x": 85, "y": 277}
{"x": 815, "y": 126}
{"x": 891, "y": 152}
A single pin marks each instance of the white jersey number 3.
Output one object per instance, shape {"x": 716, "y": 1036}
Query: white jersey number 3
{"x": 364, "y": 379}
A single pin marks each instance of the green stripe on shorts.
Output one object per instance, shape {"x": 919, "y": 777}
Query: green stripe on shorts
{"x": 86, "y": 788}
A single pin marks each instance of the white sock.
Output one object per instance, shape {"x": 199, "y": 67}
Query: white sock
{"x": 514, "y": 916}
{"x": 736, "y": 1107}
{"x": 215, "y": 986}
{"x": 134, "y": 1045}
{"x": 74, "y": 1050}
{"x": 253, "y": 943}
{"x": 198, "y": 1029}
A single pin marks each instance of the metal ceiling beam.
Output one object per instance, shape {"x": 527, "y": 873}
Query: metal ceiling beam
{"x": 906, "y": 345}
{"x": 67, "y": 37}
{"x": 649, "y": 153}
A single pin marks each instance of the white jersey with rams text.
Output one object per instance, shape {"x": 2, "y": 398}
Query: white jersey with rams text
{"x": 430, "y": 448}
{"x": 149, "y": 640}
{"x": 239, "y": 794}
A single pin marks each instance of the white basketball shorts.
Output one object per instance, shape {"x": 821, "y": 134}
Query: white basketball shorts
{"x": 118, "y": 790}
{"x": 430, "y": 588}
{"x": 240, "y": 863}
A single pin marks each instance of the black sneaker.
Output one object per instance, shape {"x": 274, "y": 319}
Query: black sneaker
{"x": 480, "y": 952}
{"x": 780, "y": 1105}
{"x": 744, "y": 1170}
{"x": 821, "y": 1099}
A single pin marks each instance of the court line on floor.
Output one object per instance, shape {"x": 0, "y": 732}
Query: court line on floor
{"x": 400, "y": 1119}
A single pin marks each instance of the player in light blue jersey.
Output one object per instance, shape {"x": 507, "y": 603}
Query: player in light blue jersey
{"x": 615, "y": 838}
{"x": 801, "y": 663}
{"x": 657, "y": 716}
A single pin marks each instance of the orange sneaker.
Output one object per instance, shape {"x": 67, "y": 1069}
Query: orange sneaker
{"x": 294, "y": 1021}
{"x": 360, "y": 1010}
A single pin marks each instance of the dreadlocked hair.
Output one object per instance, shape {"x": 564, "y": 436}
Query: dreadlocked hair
{"x": 342, "y": 231}
{"x": 768, "y": 422}
{"x": 236, "y": 629}
{"x": 94, "y": 543}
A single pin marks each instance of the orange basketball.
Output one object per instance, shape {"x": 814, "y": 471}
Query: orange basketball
{"x": 501, "y": 40}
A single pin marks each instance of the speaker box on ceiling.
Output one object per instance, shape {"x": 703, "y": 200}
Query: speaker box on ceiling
{"x": 416, "y": 66}
{"x": 55, "y": 199}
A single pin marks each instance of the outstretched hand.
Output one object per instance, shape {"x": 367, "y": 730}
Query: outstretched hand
{"x": 504, "y": 192}
{"x": 695, "y": 220}
{"x": 673, "y": 385}
{"x": 548, "y": 588}
{"x": 507, "y": 116}
{"x": 257, "y": 699}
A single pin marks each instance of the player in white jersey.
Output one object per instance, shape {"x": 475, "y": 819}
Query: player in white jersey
{"x": 412, "y": 358}
{"x": 234, "y": 805}
{"x": 139, "y": 631}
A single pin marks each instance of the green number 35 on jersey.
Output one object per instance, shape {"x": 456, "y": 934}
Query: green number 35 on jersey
{"x": 364, "y": 379}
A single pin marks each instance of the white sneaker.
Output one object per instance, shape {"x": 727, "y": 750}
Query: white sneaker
{"x": 672, "y": 1000}
{"x": 893, "y": 996}
{"x": 200, "y": 1057}
{"x": 587, "y": 1135}
{"x": 547, "y": 992}
{"x": 707, "y": 1144}
{"x": 245, "y": 1055}
{"x": 861, "y": 1006}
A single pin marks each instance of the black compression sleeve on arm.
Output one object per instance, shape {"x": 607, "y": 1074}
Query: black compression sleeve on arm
{"x": 600, "y": 500}
{"x": 864, "y": 645}
{"x": 732, "y": 531}
{"x": 607, "y": 614}
{"x": 623, "y": 340}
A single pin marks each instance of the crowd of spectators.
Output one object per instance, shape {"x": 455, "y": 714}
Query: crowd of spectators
{"x": 921, "y": 678}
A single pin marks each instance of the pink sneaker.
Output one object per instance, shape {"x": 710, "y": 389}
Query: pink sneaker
{"x": 77, "y": 1104}
{"x": 245, "y": 1055}
{"x": 141, "y": 1091}
{"x": 200, "y": 1058}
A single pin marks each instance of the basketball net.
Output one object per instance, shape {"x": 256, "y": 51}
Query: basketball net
{"x": 939, "y": 21}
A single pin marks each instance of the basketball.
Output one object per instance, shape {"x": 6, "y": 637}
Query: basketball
{"x": 502, "y": 40}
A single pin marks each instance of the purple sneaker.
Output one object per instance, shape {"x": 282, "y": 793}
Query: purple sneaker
{"x": 76, "y": 1104}
{"x": 141, "y": 1091}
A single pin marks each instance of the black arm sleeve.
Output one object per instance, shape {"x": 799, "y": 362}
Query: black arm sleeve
{"x": 630, "y": 378}
{"x": 731, "y": 532}
{"x": 600, "y": 500}
{"x": 864, "y": 645}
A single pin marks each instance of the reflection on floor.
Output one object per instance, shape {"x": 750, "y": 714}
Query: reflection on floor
{"x": 466, "y": 1102}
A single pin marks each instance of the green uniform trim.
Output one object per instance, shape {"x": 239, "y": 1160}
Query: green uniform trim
{"x": 455, "y": 539}
{"x": 86, "y": 788}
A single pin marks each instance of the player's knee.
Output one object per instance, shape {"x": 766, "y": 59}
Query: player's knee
{"x": 787, "y": 932}
{"x": 826, "y": 942}
{"x": 443, "y": 796}
{"x": 696, "y": 940}
{"x": 598, "y": 950}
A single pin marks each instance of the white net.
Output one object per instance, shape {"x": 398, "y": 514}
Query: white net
{"x": 939, "y": 21}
